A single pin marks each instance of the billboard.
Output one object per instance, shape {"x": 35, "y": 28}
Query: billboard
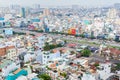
{"x": 35, "y": 20}
{"x": 73, "y": 31}
{"x": 86, "y": 22}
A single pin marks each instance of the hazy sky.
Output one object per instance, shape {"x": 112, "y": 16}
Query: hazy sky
{"x": 59, "y": 2}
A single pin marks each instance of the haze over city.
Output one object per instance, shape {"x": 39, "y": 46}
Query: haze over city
{"x": 59, "y": 39}
{"x": 47, "y": 3}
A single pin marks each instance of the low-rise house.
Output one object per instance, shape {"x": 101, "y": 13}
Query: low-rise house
{"x": 114, "y": 77}
{"x": 6, "y": 66}
{"x": 47, "y": 55}
{"x": 41, "y": 40}
{"x": 53, "y": 74}
{"x": 112, "y": 52}
{"x": 38, "y": 68}
{"x": 88, "y": 76}
{"x": 29, "y": 57}
{"x": 71, "y": 45}
{"x": 82, "y": 61}
{"x": 22, "y": 78}
{"x": 31, "y": 76}
{"x": 104, "y": 71}
{"x": 60, "y": 42}
{"x": 38, "y": 55}
{"x": 64, "y": 52}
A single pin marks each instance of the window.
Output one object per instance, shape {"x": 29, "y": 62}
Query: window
{"x": 8, "y": 51}
{"x": 44, "y": 56}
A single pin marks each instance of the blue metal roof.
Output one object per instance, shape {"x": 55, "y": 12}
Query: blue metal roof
{"x": 1, "y": 19}
{"x": 12, "y": 76}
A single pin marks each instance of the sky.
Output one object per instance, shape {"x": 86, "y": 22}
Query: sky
{"x": 59, "y": 2}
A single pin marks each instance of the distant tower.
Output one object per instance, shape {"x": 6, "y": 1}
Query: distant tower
{"x": 117, "y": 6}
{"x": 46, "y": 12}
{"x": 16, "y": 7}
{"x": 75, "y": 6}
{"x": 112, "y": 13}
{"x": 27, "y": 10}
{"x": 23, "y": 12}
{"x": 36, "y": 6}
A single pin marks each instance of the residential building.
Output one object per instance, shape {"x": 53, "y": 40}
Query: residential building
{"x": 11, "y": 52}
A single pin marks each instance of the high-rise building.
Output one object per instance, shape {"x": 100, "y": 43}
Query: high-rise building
{"x": 23, "y": 12}
{"x": 46, "y": 12}
{"x": 36, "y": 6}
{"x": 16, "y": 7}
{"x": 112, "y": 13}
{"x": 27, "y": 11}
{"x": 75, "y": 6}
{"x": 117, "y": 5}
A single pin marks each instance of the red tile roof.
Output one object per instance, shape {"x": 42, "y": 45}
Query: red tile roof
{"x": 39, "y": 34}
{"x": 55, "y": 50}
{"x": 113, "y": 51}
{"x": 71, "y": 45}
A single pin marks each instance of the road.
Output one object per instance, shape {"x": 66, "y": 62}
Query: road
{"x": 102, "y": 59}
{"x": 77, "y": 40}
{"x": 72, "y": 39}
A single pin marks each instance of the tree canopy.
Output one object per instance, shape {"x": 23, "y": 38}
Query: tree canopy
{"x": 86, "y": 53}
{"x": 44, "y": 77}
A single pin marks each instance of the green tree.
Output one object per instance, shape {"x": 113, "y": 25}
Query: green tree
{"x": 76, "y": 35}
{"x": 63, "y": 74}
{"x": 79, "y": 77}
{"x": 65, "y": 41}
{"x": 32, "y": 34}
{"x": 46, "y": 43}
{"x": 72, "y": 52}
{"x": 48, "y": 68}
{"x": 96, "y": 64}
{"x": 1, "y": 36}
{"x": 92, "y": 37}
{"x": 117, "y": 66}
{"x": 52, "y": 46}
{"x": 44, "y": 77}
{"x": 59, "y": 45}
{"x": 85, "y": 53}
{"x": 46, "y": 48}
{"x": 40, "y": 30}
{"x": 82, "y": 35}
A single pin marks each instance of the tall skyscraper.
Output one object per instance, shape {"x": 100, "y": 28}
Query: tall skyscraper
{"x": 27, "y": 11}
{"x": 75, "y": 6}
{"x": 112, "y": 13}
{"x": 36, "y": 6}
{"x": 16, "y": 7}
{"x": 46, "y": 12}
{"x": 117, "y": 5}
{"x": 23, "y": 12}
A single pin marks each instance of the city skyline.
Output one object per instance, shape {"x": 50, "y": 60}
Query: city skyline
{"x": 48, "y": 3}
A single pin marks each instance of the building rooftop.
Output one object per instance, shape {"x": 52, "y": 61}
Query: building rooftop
{"x": 5, "y": 63}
